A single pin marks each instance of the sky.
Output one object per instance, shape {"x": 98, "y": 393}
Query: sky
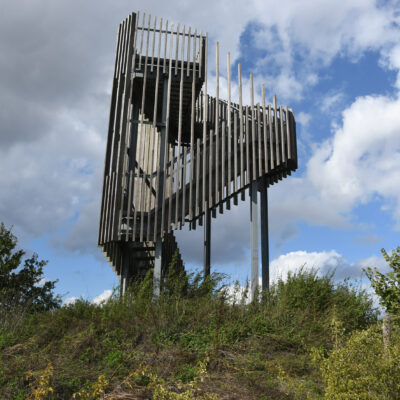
{"x": 336, "y": 64}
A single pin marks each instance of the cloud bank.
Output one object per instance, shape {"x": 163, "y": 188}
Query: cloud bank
{"x": 57, "y": 61}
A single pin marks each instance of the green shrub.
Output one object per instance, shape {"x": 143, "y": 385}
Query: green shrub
{"x": 361, "y": 369}
{"x": 305, "y": 304}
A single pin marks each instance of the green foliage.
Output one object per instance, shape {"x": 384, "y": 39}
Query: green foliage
{"x": 387, "y": 286}
{"x": 305, "y": 304}
{"x": 362, "y": 369}
{"x": 187, "y": 372}
{"x": 255, "y": 350}
{"x": 113, "y": 359}
{"x": 305, "y": 290}
{"x": 22, "y": 287}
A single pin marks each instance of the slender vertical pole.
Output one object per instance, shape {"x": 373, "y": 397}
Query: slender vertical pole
{"x": 205, "y": 132}
{"x": 157, "y": 269}
{"x": 241, "y": 133}
{"x": 217, "y": 197}
{"x": 159, "y": 194}
{"x": 124, "y": 275}
{"x": 254, "y": 238}
{"x": 207, "y": 240}
{"x": 264, "y": 238}
{"x": 178, "y": 158}
{"x": 164, "y": 151}
{"x": 122, "y": 288}
{"x": 228, "y": 192}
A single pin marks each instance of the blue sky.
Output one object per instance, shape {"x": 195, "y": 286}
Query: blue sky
{"x": 336, "y": 65}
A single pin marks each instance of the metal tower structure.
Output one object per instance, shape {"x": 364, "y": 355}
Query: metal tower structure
{"x": 176, "y": 155}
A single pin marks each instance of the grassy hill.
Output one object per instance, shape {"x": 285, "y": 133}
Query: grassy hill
{"x": 200, "y": 340}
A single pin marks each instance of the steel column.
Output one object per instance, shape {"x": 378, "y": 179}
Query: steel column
{"x": 157, "y": 269}
{"x": 124, "y": 275}
{"x": 207, "y": 240}
{"x": 254, "y": 238}
{"x": 160, "y": 190}
{"x": 264, "y": 238}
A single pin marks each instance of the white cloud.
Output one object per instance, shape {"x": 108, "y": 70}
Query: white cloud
{"x": 362, "y": 160}
{"x": 375, "y": 298}
{"x": 302, "y": 37}
{"x": 237, "y": 294}
{"x": 324, "y": 262}
{"x": 101, "y": 298}
{"x": 332, "y": 102}
{"x": 44, "y": 182}
{"x": 70, "y": 300}
{"x": 328, "y": 27}
{"x": 358, "y": 164}
{"x": 375, "y": 262}
{"x": 303, "y": 118}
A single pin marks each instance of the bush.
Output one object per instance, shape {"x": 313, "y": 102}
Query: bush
{"x": 306, "y": 304}
{"x": 361, "y": 369}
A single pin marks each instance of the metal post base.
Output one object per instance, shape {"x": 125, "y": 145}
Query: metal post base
{"x": 157, "y": 269}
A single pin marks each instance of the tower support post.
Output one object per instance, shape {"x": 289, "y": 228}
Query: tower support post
{"x": 254, "y": 238}
{"x": 124, "y": 276}
{"x": 207, "y": 241}
{"x": 124, "y": 280}
{"x": 264, "y": 238}
{"x": 158, "y": 244}
{"x": 157, "y": 268}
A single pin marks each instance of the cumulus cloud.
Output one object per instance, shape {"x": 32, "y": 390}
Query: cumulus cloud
{"x": 102, "y": 297}
{"x": 359, "y": 163}
{"x": 303, "y": 37}
{"x": 324, "y": 261}
{"x": 70, "y": 300}
{"x": 375, "y": 262}
{"x": 363, "y": 157}
{"x": 327, "y": 262}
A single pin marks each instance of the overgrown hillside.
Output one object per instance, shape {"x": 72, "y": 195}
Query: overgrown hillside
{"x": 200, "y": 340}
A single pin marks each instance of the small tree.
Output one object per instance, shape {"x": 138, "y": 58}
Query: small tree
{"x": 387, "y": 286}
{"x": 23, "y": 286}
